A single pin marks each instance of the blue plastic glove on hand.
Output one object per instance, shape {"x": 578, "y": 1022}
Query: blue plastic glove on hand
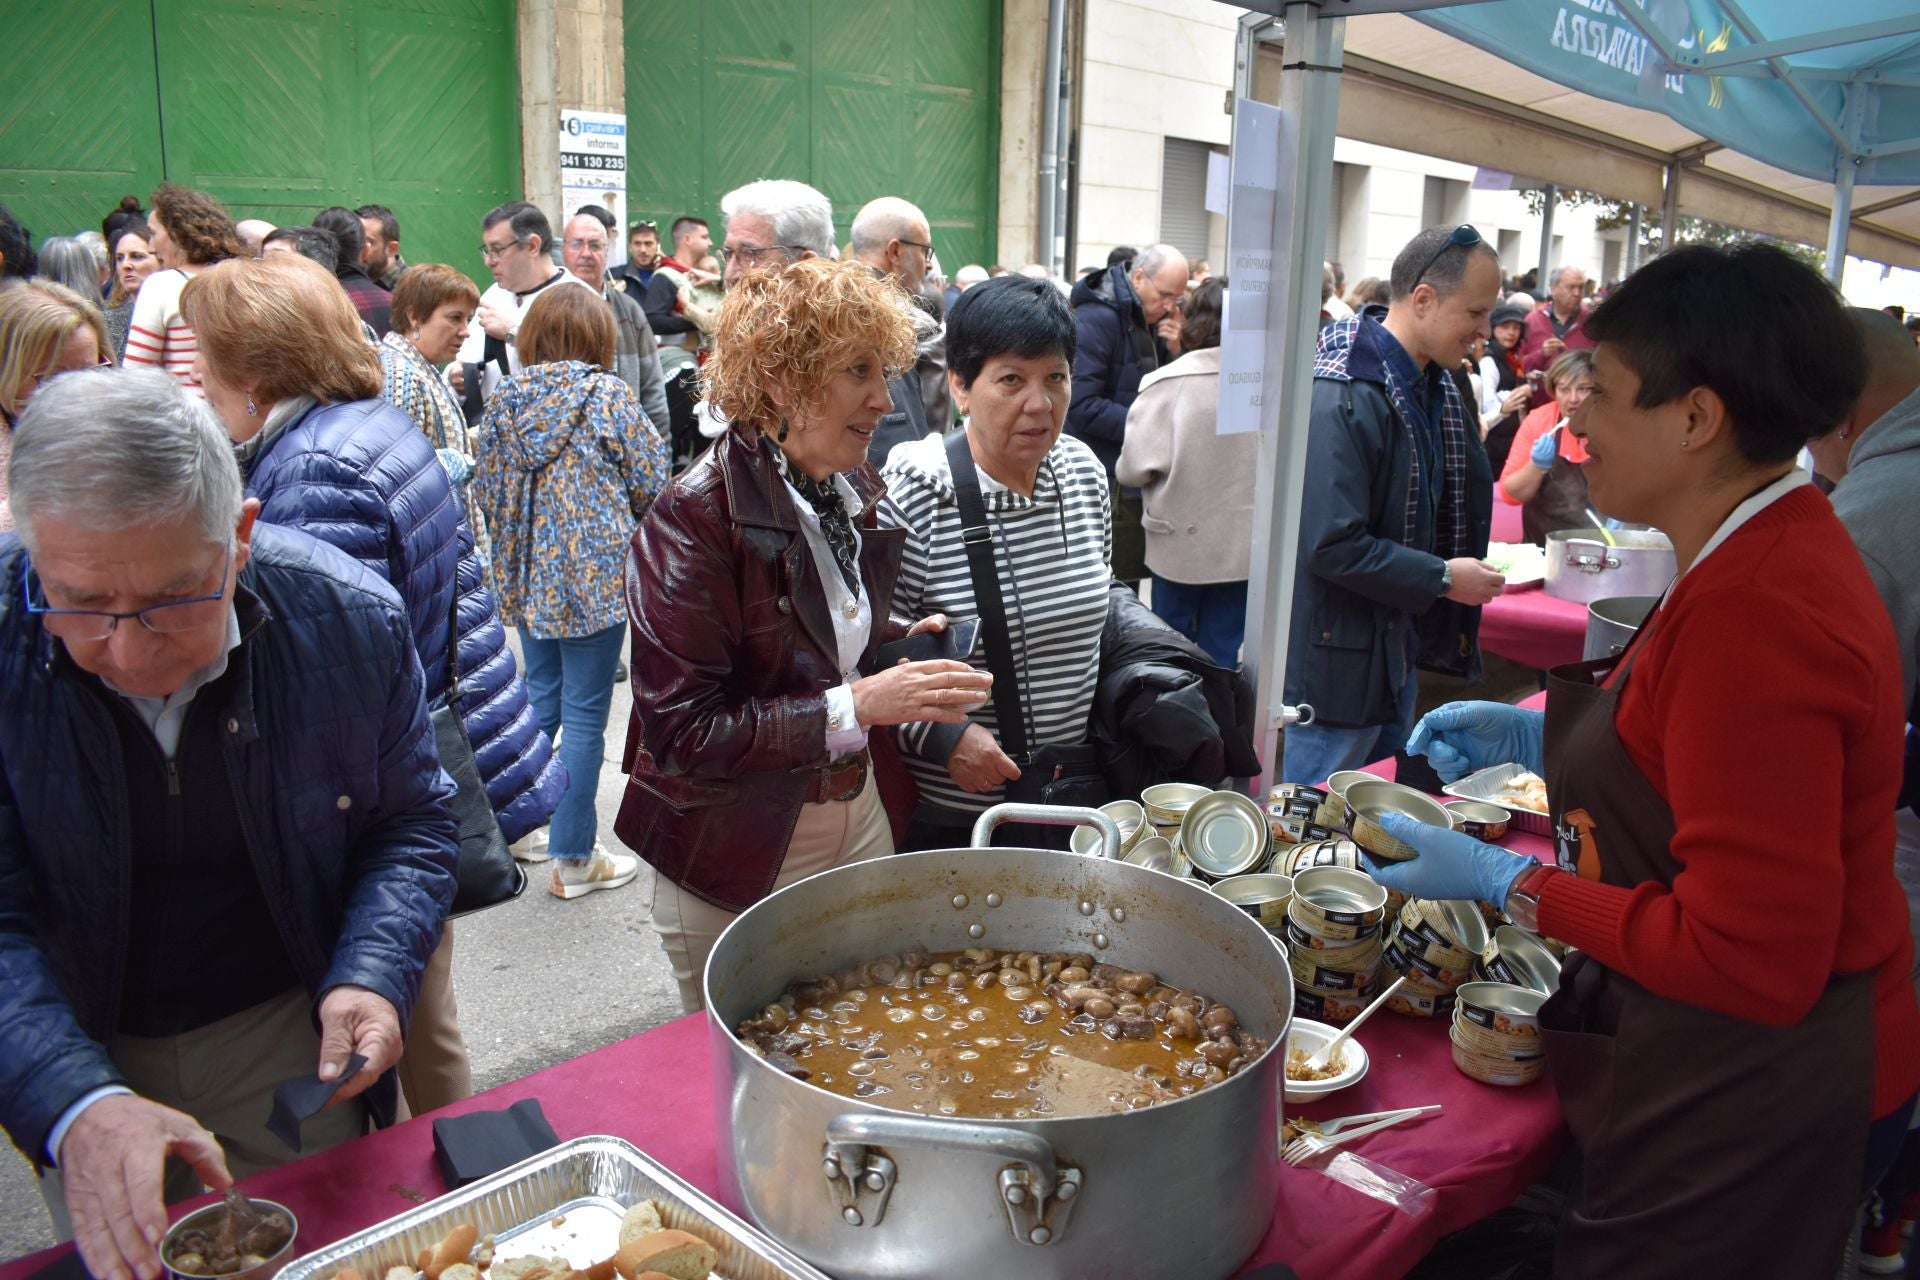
{"x": 1545, "y": 450}
{"x": 1463, "y": 737}
{"x": 1450, "y": 865}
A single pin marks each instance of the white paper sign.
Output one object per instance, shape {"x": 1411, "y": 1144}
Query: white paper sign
{"x": 1492, "y": 180}
{"x": 593, "y": 165}
{"x": 1218, "y": 169}
{"x": 1253, "y": 205}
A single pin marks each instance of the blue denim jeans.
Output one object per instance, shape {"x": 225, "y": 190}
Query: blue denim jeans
{"x": 1313, "y": 752}
{"x": 570, "y": 684}
{"x": 1211, "y": 614}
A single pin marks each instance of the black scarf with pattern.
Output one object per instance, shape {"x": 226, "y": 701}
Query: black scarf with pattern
{"x": 830, "y": 505}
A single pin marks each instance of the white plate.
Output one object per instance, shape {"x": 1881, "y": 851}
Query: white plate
{"x": 1523, "y": 564}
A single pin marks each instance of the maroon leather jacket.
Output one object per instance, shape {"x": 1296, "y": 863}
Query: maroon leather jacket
{"x": 733, "y": 652}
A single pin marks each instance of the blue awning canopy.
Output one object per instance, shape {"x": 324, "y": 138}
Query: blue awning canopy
{"x": 1814, "y": 88}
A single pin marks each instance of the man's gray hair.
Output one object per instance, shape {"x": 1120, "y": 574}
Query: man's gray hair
{"x": 801, "y": 216}
{"x": 1560, "y": 273}
{"x": 1151, "y": 259}
{"x": 111, "y": 449}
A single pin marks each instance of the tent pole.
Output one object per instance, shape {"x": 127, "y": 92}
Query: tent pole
{"x": 1841, "y": 221}
{"x": 1670, "y": 211}
{"x": 1549, "y": 197}
{"x": 1631, "y": 259}
{"x": 1044, "y": 242}
{"x": 1309, "y": 103}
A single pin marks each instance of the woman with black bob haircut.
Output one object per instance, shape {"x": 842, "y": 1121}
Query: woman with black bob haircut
{"x": 1010, "y": 346}
{"x": 1727, "y": 957}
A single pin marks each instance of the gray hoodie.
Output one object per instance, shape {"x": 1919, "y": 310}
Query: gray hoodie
{"x": 1879, "y": 502}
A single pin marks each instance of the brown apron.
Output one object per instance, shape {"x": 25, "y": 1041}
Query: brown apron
{"x": 1709, "y": 1145}
{"x": 1560, "y": 503}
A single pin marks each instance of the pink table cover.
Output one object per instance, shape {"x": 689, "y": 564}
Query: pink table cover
{"x": 1534, "y": 628}
{"x": 655, "y": 1090}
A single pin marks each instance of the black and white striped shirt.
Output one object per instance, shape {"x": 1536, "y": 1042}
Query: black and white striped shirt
{"x": 1053, "y": 551}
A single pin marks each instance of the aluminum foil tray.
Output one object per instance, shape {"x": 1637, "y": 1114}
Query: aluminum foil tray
{"x": 565, "y": 1202}
{"x": 1489, "y": 783}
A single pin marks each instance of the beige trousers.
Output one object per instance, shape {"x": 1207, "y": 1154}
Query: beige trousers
{"x": 223, "y": 1075}
{"x": 435, "y": 1069}
{"x": 828, "y": 835}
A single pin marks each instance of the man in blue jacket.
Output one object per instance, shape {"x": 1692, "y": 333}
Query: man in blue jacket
{"x": 226, "y": 843}
{"x": 1117, "y": 316}
{"x": 1396, "y": 510}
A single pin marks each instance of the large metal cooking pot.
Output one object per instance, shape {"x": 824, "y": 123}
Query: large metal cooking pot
{"x": 1612, "y": 622}
{"x": 1582, "y": 567}
{"x": 1183, "y": 1188}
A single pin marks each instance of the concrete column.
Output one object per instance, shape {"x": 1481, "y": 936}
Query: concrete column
{"x": 1023, "y": 49}
{"x": 572, "y": 54}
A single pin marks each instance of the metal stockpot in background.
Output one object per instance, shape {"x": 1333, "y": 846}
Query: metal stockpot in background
{"x": 1612, "y": 622}
{"x": 869, "y": 1193}
{"x": 1581, "y": 567}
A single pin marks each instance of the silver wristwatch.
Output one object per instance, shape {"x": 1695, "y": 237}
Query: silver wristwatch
{"x": 1446, "y": 577}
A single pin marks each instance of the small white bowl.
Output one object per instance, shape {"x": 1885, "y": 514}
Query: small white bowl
{"x": 1306, "y": 1034}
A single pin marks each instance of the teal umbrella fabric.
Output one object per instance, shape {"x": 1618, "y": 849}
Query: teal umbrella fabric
{"x": 1803, "y": 85}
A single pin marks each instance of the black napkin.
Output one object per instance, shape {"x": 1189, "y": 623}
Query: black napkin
{"x": 471, "y": 1146}
{"x": 301, "y": 1098}
{"x": 1416, "y": 772}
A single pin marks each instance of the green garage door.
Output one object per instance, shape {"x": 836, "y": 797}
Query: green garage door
{"x": 278, "y": 107}
{"x": 861, "y": 98}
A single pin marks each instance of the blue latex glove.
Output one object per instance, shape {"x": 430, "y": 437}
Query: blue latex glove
{"x": 1450, "y": 865}
{"x": 1462, "y": 737}
{"x": 1545, "y": 450}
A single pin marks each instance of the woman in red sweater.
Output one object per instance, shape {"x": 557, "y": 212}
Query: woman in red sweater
{"x": 1737, "y": 1041}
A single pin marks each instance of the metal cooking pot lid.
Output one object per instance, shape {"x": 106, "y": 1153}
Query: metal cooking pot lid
{"x": 1224, "y": 834}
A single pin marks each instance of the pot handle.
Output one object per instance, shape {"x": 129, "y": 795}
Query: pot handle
{"x": 1036, "y": 1192}
{"x": 1590, "y": 561}
{"x": 1051, "y": 815}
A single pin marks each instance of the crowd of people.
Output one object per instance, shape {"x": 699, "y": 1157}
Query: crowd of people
{"x": 869, "y": 546}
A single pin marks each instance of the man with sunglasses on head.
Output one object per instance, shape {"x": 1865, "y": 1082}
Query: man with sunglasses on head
{"x": 226, "y": 842}
{"x": 1396, "y": 510}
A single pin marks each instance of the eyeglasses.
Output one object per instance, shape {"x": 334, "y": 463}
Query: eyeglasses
{"x": 167, "y": 619}
{"x": 1463, "y": 237}
{"x": 587, "y": 246}
{"x": 752, "y": 255}
{"x": 925, "y": 248}
{"x": 489, "y": 252}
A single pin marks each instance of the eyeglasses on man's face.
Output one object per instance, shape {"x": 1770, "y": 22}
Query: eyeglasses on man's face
{"x": 587, "y": 246}
{"x": 925, "y": 247}
{"x": 490, "y": 252}
{"x": 170, "y": 618}
{"x": 751, "y": 256}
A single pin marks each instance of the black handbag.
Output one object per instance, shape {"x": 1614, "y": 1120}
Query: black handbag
{"x": 486, "y": 872}
{"x": 1051, "y": 773}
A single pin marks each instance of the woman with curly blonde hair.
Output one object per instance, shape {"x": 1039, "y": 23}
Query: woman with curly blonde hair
{"x": 757, "y": 587}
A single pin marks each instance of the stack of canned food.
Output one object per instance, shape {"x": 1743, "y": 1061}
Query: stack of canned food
{"x": 1333, "y": 931}
{"x": 1496, "y": 1033}
{"x": 1300, "y": 814}
{"x": 1435, "y": 946}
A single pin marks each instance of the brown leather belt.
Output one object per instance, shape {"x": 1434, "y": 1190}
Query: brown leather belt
{"x": 842, "y": 780}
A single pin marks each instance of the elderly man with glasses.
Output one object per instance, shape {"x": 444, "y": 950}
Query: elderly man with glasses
{"x": 226, "y": 842}
{"x": 892, "y": 236}
{"x": 1396, "y": 510}
{"x": 636, "y": 355}
{"x": 516, "y": 242}
{"x": 773, "y": 222}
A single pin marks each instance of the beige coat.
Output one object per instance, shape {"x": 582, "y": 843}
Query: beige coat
{"x": 1197, "y": 486}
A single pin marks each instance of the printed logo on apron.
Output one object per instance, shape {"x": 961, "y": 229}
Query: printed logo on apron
{"x": 1574, "y": 846}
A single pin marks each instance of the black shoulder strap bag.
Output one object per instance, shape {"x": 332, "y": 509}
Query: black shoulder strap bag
{"x": 1050, "y": 773}
{"x": 486, "y": 871}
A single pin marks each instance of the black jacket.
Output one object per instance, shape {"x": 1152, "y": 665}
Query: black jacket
{"x": 1115, "y": 349}
{"x": 1164, "y": 712}
{"x": 1363, "y": 577}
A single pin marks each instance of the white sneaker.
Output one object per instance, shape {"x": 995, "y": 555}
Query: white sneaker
{"x": 603, "y": 870}
{"x": 531, "y": 847}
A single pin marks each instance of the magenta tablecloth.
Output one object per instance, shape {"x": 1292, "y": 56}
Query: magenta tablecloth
{"x": 1534, "y": 628}
{"x": 656, "y": 1091}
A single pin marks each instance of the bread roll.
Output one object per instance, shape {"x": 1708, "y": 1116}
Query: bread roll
{"x": 527, "y": 1267}
{"x": 673, "y": 1253}
{"x": 640, "y": 1220}
{"x": 453, "y": 1247}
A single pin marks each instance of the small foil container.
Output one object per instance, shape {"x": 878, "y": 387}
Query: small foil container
{"x": 1419, "y": 1004}
{"x": 1225, "y": 834}
{"x": 1421, "y": 974}
{"x": 1312, "y": 976}
{"x": 208, "y": 1218}
{"x": 1166, "y": 803}
{"x": 1367, "y": 802}
{"x": 1336, "y": 1009}
{"x": 1502, "y": 1018}
{"x": 1263, "y": 896}
{"x": 1481, "y": 819}
{"x": 1488, "y": 1069}
{"x": 1515, "y": 956}
{"x": 1300, "y": 935}
{"x": 1456, "y": 931}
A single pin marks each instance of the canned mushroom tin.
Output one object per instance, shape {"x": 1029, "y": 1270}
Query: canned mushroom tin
{"x": 1418, "y": 1004}
{"x": 1456, "y": 931}
{"x": 1301, "y": 935}
{"x": 1515, "y": 956}
{"x": 1264, "y": 897}
{"x": 1502, "y": 1008}
{"x": 1294, "y": 859}
{"x": 1317, "y": 978}
{"x": 1422, "y": 974}
{"x": 1488, "y": 1069}
{"x": 1329, "y": 899}
{"x": 1336, "y": 1010}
